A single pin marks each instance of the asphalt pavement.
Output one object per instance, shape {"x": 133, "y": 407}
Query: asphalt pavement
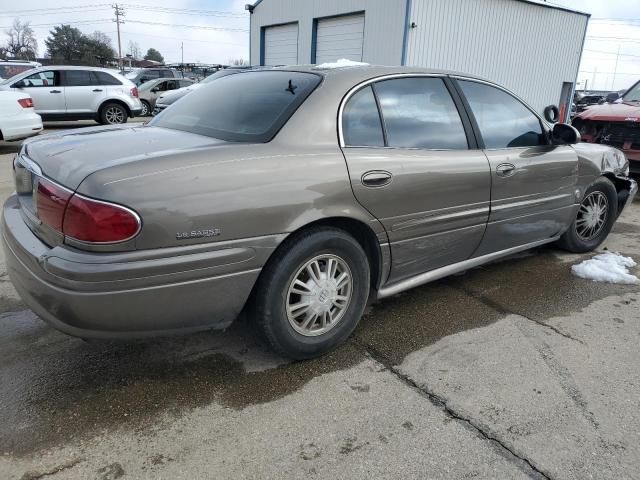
{"x": 514, "y": 370}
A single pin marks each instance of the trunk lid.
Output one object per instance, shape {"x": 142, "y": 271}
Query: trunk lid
{"x": 69, "y": 157}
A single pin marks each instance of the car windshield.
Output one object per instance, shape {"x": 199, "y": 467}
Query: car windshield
{"x": 633, "y": 95}
{"x": 10, "y": 71}
{"x": 148, "y": 86}
{"x": 251, "y": 107}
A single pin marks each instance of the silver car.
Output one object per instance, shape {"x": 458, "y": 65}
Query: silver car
{"x": 301, "y": 196}
{"x": 150, "y": 91}
{"x": 78, "y": 93}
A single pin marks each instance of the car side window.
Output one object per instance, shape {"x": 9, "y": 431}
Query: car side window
{"x": 103, "y": 78}
{"x": 503, "y": 120}
{"x": 77, "y": 78}
{"x": 419, "y": 112}
{"x": 361, "y": 123}
{"x": 42, "y": 79}
{"x": 184, "y": 83}
{"x": 172, "y": 85}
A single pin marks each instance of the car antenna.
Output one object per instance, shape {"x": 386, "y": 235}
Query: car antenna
{"x": 291, "y": 88}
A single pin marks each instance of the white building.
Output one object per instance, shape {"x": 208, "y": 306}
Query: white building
{"x": 531, "y": 48}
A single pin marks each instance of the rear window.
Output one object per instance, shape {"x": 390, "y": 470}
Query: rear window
{"x": 8, "y": 71}
{"x": 247, "y": 107}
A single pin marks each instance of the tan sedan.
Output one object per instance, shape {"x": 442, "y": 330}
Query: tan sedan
{"x": 150, "y": 91}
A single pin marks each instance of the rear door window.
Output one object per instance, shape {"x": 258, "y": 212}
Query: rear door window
{"x": 77, "y": 78}
{"x": 503, "y": 120}
{"x": 419, "y": 112}
{"x": 361, "y": 125}
{"x": 103, "y": 78}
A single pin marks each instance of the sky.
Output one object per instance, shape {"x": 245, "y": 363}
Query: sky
{"x": 215, "y": 31}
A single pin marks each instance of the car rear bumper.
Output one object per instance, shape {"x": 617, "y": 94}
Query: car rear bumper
{"x": 22, "y": 126}
{"x": 131, "y": 294}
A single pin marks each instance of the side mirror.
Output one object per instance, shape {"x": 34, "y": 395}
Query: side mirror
{"x": 552, "y": 114}
{"x": 563, "y": 134}
{"x": 155, "y": 90}
{"x": 612, "y": 97}
{"x": 19, "y": 84}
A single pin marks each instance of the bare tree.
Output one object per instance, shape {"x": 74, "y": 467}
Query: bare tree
{"x": 134, "y": 50}
{"x": 21, "y": 41}
{"x": 238, "y": 62}
{"x": 101, "y": 37}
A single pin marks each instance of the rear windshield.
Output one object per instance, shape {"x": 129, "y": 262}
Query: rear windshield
{"x": 247, "y": 107}
{"x": 8, "y": 71}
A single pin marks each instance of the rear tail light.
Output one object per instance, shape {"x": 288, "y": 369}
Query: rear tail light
{"x": 26, "y": 102}
{"x": 94, "y": 221}
{"x": 82, "y": 218}
{"x": 134, "y": 92}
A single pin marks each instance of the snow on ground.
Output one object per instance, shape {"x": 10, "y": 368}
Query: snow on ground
{"x": 343, "y": 62}
{"x": 608, "y": 267}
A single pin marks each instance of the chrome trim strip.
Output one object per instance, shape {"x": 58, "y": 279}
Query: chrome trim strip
{"x": 365, "y": 83}
{"x": 524, "y": 203}
{"x": 29, "y": 164}
{"x": 439, "y": 273}
{"x": 433, "y": 218}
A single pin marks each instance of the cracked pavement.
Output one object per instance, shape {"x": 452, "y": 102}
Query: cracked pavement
{"x": 513, "y": 370}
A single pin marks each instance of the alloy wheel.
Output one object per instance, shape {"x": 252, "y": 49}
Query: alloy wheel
{"x": 592, "y": 216}
{"x": 114, "y": 115}
{"x": 319, "y": 294}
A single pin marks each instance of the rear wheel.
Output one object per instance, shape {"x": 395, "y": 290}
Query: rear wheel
{"x": 146, "y": 108}
{"x": 312, "y": 293}
{"x": 113, "y": 114}
{"x": 594, "y": 220}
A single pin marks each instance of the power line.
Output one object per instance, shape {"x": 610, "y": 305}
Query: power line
{"x": 618, "y": 39}
{"x": 612, "y": 53}
{"x": 186, "y": 40}
{"x": 7, "y": 13}
{"x": 204, "y": 27}
{"x": 79, "y": 22}
{"x": 59, "y": 13}
{"x": 185, "y": 11}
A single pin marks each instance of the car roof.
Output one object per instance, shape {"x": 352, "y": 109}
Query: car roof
{"x": 75, "y": 67}
{"x": 359, "y": 72}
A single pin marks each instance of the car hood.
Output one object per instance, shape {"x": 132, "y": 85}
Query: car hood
{"x": 70, "y": 157}
{"x": 612, "y": 112}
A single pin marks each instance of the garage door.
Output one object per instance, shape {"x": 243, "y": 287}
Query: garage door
{"x": 281, "y": 45}
{"x": 339, "y": 37}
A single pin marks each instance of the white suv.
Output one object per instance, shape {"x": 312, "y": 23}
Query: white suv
{"x": 77, "y": 93}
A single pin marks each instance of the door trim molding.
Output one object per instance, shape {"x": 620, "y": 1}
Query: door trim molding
{"x": 442, "y": 272}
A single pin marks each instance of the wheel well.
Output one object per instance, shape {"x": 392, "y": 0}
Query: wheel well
{"x": 120, "y": 102}
{"x": 623, "y": 188}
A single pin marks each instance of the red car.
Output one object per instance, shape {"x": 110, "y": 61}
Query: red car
{"x": 616, "y": 124}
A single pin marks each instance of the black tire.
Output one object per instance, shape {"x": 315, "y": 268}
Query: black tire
{"x": 269, "y": 310}
{"x": 108, "y": 114}
{"x": 146, "y": 108}
{"x": 572, "y": 241}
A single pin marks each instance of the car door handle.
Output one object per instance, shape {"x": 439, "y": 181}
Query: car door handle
{"x": 505, "y": 169}
{"x": 55, "y": 91}
{"x": 97, "y": 90}
{"x": 376, "y": 178}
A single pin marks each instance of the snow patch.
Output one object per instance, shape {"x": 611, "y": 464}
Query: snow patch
{"x": 608, "y": 267}
{"x": 343, "y": 62}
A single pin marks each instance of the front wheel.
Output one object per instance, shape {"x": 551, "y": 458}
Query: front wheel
{"x": 113, "y": 114}
{"x": 312, "y": 293}
{"x": 594, "y": 220}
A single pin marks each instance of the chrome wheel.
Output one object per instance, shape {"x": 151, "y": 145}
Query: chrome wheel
{"x": 319, "y": 295}
{"x": 114, "y": 115}
{"x": 592, "y": 216}
{"x": 145, "y": 109}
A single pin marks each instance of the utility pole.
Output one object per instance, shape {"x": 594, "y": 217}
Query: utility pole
{"x": 615, "y": 70}
{"x": 119, "y": 11}
{"x": 182, "y": 54}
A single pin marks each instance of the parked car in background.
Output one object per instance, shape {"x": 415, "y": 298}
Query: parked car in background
{"x": 151, "y": 90}
{"x": 10, "y": 68}
{"x": 142, "y": 75}
{"x": 616, "y": 124}
{"x": 18, "y": 119}
{"x": 298, "y": 193}
{"x": 77, "y": 93}
{"x": 169, "y": 98}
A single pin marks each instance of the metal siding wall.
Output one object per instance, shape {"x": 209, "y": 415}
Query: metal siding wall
{"x": 281, "y": 44}
{"x": 529, "y": 49}
{"x": 383, "y": 29}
